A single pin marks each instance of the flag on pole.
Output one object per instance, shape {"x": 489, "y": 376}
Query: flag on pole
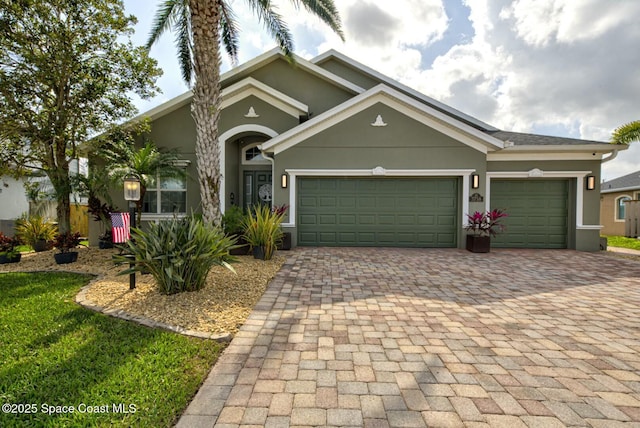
{"x": 120, "y": 227}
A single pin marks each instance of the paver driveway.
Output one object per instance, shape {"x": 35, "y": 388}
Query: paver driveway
{"x": 425, "y": 337}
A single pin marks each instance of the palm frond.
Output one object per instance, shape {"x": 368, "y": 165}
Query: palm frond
{"x": 184, "y": 43}
{"x": 626, "y": 134}
{"x": 325, "y": 10}
{"x": 274, "y": 24}
{"x": 163, "y": 20}
{"x": 230, "y": 32}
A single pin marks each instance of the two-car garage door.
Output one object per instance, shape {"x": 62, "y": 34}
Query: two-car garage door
{"x": 402, "y": 212}
{"x": 424, "y": 212}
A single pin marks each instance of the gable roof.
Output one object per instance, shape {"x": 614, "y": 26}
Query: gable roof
{"x": 437, "y": 105}
{"x": 492, "y": 139}
{"x": 396, "y": 100}
{"x": 621, "y": 184}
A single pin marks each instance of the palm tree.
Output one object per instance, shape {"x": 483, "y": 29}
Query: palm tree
{"x": 626, "y": 134}
{"x": 147, "y": 163}
{"x": 200, "y": 26}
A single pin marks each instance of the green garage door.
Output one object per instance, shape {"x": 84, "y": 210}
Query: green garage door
{"x": 420, "y": 212}
{"x": 538, "y": 212}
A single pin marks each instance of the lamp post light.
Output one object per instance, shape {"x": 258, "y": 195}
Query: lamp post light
{"x": 132, "y": 194}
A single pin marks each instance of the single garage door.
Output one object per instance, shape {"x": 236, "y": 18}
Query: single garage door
{"x": 538, "y": 212}
{"x": 411, "y": 212}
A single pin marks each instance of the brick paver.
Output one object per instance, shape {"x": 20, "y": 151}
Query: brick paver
{"x": 425, "y": 337}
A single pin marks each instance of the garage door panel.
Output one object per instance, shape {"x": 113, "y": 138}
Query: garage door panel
{"x": 378, "y": 211}
{"x": 537, "y": 212}
{"x": 426, "y": 220}
{"x": 327, "y": 219}
{"x": 364, "y": 202}
{"x": 408, "y": 220}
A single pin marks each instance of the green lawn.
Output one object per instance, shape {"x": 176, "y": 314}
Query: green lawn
{"x": 56, "y": 353}
{"x": 622, "y": 242}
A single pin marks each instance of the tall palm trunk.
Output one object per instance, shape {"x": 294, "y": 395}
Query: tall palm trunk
{"x": 205, "y": 108}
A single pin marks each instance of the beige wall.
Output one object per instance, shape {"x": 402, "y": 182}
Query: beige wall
{"x": 608, "y": 202}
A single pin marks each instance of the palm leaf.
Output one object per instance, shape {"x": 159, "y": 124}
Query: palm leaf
{"x": 163, "y": 20}
{"x": 325, "y": 10}
{"x": 626, "y": 134}
{"x": 230, "y": 32}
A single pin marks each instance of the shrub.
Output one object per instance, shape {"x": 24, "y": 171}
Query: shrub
{"x": 179, "y": 253}
{"x": 262, "y": 229}
{"x": 232, "y": 220}
{"x": 67, "y": 241}
{"x": 485, "y": 223}
{"x": 8, "y": 245}
{"x": 32, "y": 229}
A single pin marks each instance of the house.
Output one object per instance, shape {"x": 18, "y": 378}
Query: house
{"x": 14, "y": 202}
{"x": 613, "y": 195}
{"x": 363, "y": 160}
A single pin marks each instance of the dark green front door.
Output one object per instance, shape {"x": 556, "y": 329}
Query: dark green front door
{"x": 411, "y": 212}
{"x": 538, "y": 212}
{"x": 257, "y": 188}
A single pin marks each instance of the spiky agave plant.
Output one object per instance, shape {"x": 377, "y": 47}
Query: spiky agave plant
{"x": 179, "y": 253}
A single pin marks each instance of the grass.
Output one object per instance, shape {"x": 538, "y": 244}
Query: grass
{"x": 56, "y": 353}
{"x": 623, "y": 242}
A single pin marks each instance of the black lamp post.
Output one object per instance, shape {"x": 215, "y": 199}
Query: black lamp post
{"x": 132, "y": 194}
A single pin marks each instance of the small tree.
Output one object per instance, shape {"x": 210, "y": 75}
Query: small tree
{"x": 122, "y": 156}
{"x": 65, "y": 74}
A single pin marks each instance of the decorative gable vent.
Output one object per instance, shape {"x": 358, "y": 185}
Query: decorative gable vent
{"x": 379, "y": 121}
{"x": 251, "y": 113}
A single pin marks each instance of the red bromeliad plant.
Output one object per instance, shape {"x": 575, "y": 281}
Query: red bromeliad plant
{"x": 485, "y": 223}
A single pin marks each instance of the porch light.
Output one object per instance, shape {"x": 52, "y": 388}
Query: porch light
{"x": 131, "y": 188}
{"x": 591, "y": 182}
{"x": 475, "y": 181}
{"x": 284, "y": 181}
{"x": 132, "y": 194}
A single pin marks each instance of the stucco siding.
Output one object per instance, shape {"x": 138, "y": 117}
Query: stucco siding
{"x": 608, "y": 208}
{"x": 341, "y": 69}
{"x": 319, "y": 94}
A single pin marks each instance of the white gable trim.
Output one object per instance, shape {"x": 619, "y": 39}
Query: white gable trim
{"x": 537, "y": 173}
{"x": 379, "y": 172}
{"x": 399, "y": 102}
{"x": 250, "y": 86}
{"x": 222, "y": 141}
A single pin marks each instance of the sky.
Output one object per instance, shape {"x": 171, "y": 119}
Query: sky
{"x": 555, "y": 67}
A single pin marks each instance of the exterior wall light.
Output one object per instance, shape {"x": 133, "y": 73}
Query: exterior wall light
{"x": 591, "y": 182}
{"x": 475, "y": 181}
{"x": 284, "y": 181}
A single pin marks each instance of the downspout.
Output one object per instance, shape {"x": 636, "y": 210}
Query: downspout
{"x": 273, "y": 172}
{"x": 613, "y": 155}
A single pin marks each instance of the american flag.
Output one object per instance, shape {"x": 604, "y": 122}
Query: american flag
{"x": 120, "y": 227}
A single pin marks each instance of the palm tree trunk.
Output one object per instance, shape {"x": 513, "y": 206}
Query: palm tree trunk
{"x": 205, "y": 107}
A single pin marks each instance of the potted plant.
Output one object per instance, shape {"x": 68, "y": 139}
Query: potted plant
{"x": 8, "y": 252}
{"x": 262, "y": 231}
{"x": 36, "y": 231}
{"x": 481, "y": 227}
{"x": 232, "y": 224}
{"x": 65, "y": 242}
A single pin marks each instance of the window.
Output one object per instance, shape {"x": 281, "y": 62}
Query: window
{"x": 620, "y": 207}
{"x": 165, "y": 196}
{"x": 252, "y": 155}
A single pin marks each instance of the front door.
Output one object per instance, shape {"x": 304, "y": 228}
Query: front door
{"x": 257, "y": 188}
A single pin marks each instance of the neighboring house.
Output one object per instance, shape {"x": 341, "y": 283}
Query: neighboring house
{"x": 613, "y": 194}
{"x": 363, "y": 160}
{"x": 13, "y": 202}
